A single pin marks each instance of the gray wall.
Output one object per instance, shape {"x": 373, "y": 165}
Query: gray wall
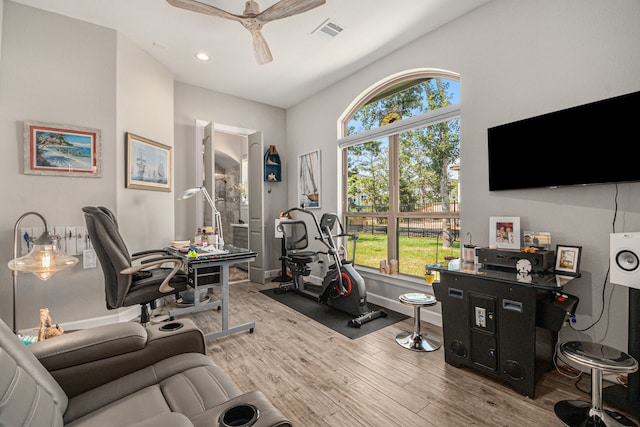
{"x": 193, "y": 103}
{"x": 66, "y": 76}
{"x": 84, "y": 75}
{"x": 516, "y": 60}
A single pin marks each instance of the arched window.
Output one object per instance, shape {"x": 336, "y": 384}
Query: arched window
{"x": 400, "y": 150}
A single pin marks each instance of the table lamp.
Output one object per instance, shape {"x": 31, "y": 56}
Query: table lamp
{"x": 44, "y": 259}
{"x": 216, "y": 213}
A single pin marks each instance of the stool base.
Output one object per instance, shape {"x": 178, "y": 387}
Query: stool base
{"x": 417, "y": 342}
{"x": 578, "y": 413}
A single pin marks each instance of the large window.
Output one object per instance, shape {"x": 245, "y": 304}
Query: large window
{"x": 401, "y": 150}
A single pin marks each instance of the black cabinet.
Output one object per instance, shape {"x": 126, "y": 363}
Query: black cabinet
{"x": 500, "y": 327}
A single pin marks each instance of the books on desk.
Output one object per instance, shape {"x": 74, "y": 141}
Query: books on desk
{"x": 211, "y": 250}
{"x": 198, "y": 251}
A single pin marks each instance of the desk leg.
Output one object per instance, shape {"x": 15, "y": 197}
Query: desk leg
{"x": 225, "y": 297}
{"x": 225, "y": 310}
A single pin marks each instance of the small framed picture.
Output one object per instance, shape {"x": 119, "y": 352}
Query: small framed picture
{"x": 537, "y": 239}
{"x": 504, "y": 232}
{"x": 568, "y": 260}
{"x": 309, "y": 179}
{"x": 148, "y": 164}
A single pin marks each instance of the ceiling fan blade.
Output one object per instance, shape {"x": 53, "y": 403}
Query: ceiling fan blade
{"x": 260, "y": 48}
{"x": 285, "y": 8}
{"x": 196, "y": 6}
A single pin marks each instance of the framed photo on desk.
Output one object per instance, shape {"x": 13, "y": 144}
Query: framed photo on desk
{"x": 568, "y": 260}
{"x": 504, "y": 232}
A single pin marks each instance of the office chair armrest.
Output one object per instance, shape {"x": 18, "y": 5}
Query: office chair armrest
{"x": 149, "y": 252}
{"x": 169, "y": 259}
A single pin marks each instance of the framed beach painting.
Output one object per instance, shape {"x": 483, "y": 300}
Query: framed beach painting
{"x": 309, "y": 180}
{"x": 148, "y": 164}
{"x": 62, "y": 150}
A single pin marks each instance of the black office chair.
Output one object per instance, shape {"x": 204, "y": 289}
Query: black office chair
{"x": 126, "y": 283}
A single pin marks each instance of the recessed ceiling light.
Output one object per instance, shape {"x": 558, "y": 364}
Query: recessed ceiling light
{"x": 202, "y": 56}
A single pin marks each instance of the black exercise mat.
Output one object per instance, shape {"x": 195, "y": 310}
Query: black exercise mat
{"x": 332, "y": 318}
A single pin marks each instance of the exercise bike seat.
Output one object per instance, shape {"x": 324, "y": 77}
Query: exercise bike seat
{"x": 303, "y": 257}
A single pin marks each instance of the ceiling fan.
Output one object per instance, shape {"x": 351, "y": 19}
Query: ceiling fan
{"x": 252, "y": 19}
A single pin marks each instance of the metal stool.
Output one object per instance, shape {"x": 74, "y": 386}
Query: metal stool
{"x": 599, "y": 358}
{"x": 415, "y": 340}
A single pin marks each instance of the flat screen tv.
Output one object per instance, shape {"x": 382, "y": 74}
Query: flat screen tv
{"x": 595, "y": 143}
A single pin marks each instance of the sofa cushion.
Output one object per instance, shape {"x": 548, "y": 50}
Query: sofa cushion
{"x": 189, "y": 384}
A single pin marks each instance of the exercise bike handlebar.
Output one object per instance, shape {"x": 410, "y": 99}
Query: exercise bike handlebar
{"x": 326, "y": 237}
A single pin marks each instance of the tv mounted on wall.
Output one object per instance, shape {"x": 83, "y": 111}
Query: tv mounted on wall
{"x": 594, "y": 143}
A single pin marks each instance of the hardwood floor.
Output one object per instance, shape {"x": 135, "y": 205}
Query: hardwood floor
{"x": 318, "y": 377}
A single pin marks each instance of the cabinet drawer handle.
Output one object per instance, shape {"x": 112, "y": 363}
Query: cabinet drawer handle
{"x": 456, "y": 293}
{"x": 512, "y": 305}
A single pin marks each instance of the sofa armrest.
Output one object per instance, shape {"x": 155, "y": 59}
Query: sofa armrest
{"x": 269, "y": 415}
{"x": 89, "y": 345}
{"x": 85, "y": 359}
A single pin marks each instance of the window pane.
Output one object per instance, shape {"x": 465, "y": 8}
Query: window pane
{"x": 368, "y": 177}
{"x": 427, "y": 182}
{"x": 371, "y": 246}
{"x": 404, "y": 100}
{"x": 423, "y": 241}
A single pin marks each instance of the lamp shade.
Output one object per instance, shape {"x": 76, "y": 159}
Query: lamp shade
{"x": 44, "y": 259}
{"x": 189, "y": 192}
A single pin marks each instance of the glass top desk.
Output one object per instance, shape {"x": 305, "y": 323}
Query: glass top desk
{"x": 542, "y": 281}
{"x": 208, "y": 270}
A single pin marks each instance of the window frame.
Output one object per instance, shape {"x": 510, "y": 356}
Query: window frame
{"x": 392, "y": 132}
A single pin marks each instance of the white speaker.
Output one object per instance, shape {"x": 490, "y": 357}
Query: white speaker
{"x": 624, "y": 259}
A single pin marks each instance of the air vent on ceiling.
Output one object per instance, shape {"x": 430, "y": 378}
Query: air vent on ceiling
{"x": 328, "y": 29}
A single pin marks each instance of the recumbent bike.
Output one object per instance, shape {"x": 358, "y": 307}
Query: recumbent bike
{"x": 342, "y": 286}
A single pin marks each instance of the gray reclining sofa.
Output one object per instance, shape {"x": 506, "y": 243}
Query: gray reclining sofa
{"x": 123, "y": 374}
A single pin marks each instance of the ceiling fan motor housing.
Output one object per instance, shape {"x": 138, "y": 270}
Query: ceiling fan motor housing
{"x": 251, "y": 8}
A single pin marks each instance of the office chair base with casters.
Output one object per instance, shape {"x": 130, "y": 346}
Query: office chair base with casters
{"x": 342, "y": 286}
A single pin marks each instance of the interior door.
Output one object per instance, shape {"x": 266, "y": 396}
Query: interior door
{"x": 208, "y": 162}
{"x": 256, "y": 199}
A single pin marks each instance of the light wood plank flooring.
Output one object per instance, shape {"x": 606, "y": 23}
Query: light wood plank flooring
{"x": 318, "y": 377}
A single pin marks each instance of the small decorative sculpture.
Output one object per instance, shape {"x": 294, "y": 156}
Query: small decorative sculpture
{"x": 46, "y": 330}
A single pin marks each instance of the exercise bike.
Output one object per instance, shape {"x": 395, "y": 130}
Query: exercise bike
{"x": 342, "y": 286}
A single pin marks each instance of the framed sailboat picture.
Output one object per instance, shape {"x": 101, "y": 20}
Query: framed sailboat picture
{"x": 309, "y": 180}
{"x": 148, "y": 164}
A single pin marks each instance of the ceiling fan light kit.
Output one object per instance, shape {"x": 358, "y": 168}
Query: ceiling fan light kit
{"x": 252, "y": 19}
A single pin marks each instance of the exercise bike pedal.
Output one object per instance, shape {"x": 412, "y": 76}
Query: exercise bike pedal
{"x": 283, "y": 289}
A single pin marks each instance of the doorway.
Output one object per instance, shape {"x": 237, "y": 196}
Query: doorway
{"x": 224, "y": 170}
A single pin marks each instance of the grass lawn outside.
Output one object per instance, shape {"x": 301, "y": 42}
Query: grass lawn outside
{"x": 414, "y": 252}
